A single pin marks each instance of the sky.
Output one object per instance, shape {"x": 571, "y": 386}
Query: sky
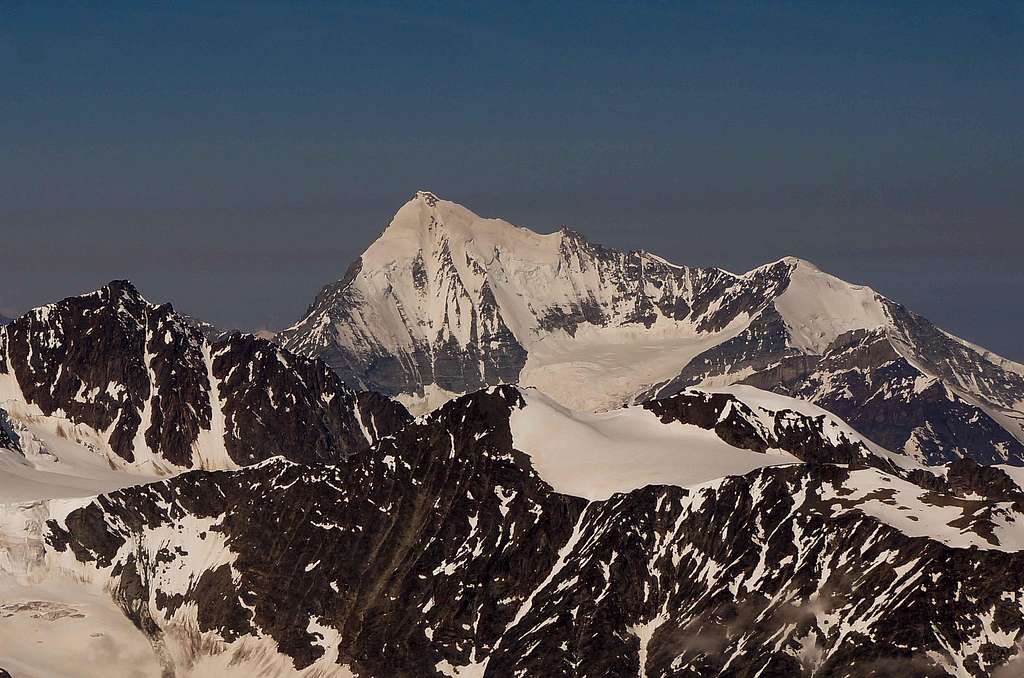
{"x": 234, "y": 157}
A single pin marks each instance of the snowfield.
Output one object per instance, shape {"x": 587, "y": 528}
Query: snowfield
{"x": 596, "y": 455}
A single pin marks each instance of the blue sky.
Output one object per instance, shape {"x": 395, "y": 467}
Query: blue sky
{"x": 233, "y": 157}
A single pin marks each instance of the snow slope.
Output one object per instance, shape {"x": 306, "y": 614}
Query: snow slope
{"x": 817, "y": 307}
{"x": 596, "y": 455}
{"x": 60, "y": 629}
{"x": 602, "y": 367}
{"x": 54, "y": 467}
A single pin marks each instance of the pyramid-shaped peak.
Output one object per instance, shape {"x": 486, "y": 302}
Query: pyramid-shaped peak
{"x": 123, "y": 287}
{"x": 119, "y": 292}
{"x": 428, "y": 197}
{"x": 427, "y": 225}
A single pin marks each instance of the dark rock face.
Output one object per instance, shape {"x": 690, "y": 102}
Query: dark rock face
{"x": 736, "y": 295}
{"x": 276, "y": 403}
{"x": 970, "y": 368}
{"x": 9, "y": 438}
{"x": 752, "y": 577}
{"x": 864, "y": 378}
{"x": 442, "y": 547}
{"x": 79, "y": 347}
{"x": 149, "y": 381}
{"x": 965, "y": 477}
{"x": 929, "y": 421}
{"x": 442, "y": 527}
{"x": 179, "y": 383}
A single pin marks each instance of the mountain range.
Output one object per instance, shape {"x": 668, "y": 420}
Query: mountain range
{"x": 445, "y": 302}
{"x": 489, "y": 452}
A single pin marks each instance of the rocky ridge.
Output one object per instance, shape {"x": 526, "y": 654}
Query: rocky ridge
{"x": 443, "y": 552}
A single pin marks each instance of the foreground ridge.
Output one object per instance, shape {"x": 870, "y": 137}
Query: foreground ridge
{"x": 445, "y": 550}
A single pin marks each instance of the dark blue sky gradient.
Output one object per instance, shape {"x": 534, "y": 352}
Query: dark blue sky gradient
{"x": 234, "y": 157}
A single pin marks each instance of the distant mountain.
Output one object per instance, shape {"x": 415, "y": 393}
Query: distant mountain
{"x": 146, "y": 390}
{"x": 269, "y": 335}
{"x": 702, "y": 534}
{"x": 907, "y": 385}
{"x": 208, "y": 330}
{"x": 445, "y": 302}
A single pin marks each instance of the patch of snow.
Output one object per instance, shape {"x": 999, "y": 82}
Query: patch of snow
{"x": 918, "y": 513}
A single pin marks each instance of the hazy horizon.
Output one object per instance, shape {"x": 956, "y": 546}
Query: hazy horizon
{"x": 233, "y": 160}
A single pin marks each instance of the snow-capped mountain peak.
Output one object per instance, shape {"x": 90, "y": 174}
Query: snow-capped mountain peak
{"x": 446, "y": 301}
{"x": 426, "y": 223}
{"x": 483, "y": 294}
{"x": 818, "y": 307}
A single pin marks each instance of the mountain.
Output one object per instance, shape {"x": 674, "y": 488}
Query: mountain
{"x": 734, "y": 533}
{"x": 445, "y": 302}
{"x": 769, "y": 474}
{"x": 907, "y": 384}
{"x": 144, "y": 390}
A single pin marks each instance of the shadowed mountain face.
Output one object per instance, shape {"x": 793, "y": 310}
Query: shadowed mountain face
{"x": 909, "y": 387}
{"x": 442, "y": 551}
{"x": 151, "y": 392}
{"x": 445, "y": 302}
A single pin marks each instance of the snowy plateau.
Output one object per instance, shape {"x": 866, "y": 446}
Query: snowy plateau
{"x": 485, "y": 451}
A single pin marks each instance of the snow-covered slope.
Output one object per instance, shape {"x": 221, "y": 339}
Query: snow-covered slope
{"x": 817, "y": 307}
{"x": 445, "y": 551}
{"x": 445, "y": 302}
{"x": 43, "y": 462}
{"x": 597, "y": 455}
